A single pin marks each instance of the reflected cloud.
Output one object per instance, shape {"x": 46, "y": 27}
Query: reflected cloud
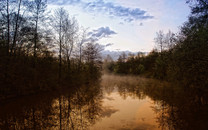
{"x": 109, "y": 98}
{"x": 108, "y": 111}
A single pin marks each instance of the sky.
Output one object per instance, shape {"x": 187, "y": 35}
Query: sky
{"x": 126, "y": 24}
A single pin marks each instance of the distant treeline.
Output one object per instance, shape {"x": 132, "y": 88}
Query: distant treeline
{"x": 180, "y": 58}
{"x": 41, "y": 51}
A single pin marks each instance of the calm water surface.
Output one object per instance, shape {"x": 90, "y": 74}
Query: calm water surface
{"x": 115, "y": 103}
{"x": 126, "y": 112}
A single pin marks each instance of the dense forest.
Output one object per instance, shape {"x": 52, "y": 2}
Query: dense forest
{"x": 42, "y": 50}
{"x": 180, "y": 58}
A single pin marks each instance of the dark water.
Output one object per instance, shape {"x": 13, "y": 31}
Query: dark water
{"x": 115, "y": 103}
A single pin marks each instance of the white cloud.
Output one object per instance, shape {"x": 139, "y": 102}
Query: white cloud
{"x": 108, "y": 8}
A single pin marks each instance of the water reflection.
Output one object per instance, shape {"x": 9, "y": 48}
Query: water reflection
{"x": 67, "y": 110}
{"x": 174, "y": 107}
{"x": 118, "y": 102}
{"x": 180, "y": 108}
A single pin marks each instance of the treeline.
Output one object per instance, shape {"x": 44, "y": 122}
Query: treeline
{"x": 42, "y": 50}
{"x": 180, "y": 58}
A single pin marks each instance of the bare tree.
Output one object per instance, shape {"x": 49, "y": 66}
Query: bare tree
{"x": 81, "y": 41}
{"x": 91, "y": 53}
{"x": 165, "y": 41}
{"x": 38, "y": 8}
{"x": 159, "y": 40}
{"x": 169, "y": 40}
{"x": 59, "y": 18}
{"x": 8, "y": 26}
{"x": 70, "y": 29}
{"x": 16, "y": 27}
{"x": 6, "y": 20}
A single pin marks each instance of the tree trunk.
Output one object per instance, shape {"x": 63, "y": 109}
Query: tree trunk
{"x": 8, "y": 28}
{"x": 36, "y": 36}
{"x": 16, "y": 29}
{"x": 60, "y": 51}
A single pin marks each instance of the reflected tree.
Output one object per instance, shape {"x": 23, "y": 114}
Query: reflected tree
{"x": 77, "y": 109}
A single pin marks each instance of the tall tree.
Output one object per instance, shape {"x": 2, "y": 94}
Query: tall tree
{"x": 38, "y": 8}
{"x": 80, "y": 43}
{"x": 159, "y": 40}
{"x": 169, "y": 40}
{"x": 199, "y": 7}
{"x": 16, "y": 27}
{"x": 91, "y": 53}
{"x": 59, "y": 18}
{"x": 8, "y": 25}
{"x": 70, "y": 29}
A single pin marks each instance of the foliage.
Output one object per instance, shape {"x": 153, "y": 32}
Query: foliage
{"x": 181, "y": 58}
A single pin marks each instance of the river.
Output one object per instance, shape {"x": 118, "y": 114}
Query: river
{"x": 114, "y": 103}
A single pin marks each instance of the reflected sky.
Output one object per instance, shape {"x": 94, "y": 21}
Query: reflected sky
{"x": 125, "y": 114}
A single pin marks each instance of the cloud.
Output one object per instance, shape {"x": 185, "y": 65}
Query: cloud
{"x": 108, "y": 8}
{"x": 64, "y": 2}
{"x": 101, "y": 32}
{"x": 109, "y": 44}
{"x": 121, "y": 23}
